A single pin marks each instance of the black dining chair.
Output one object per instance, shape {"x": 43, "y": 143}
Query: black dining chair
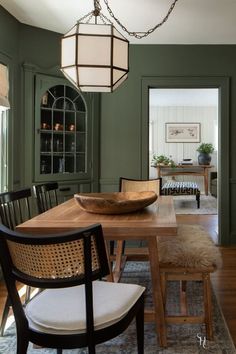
{"x": 46, "y": 195}
{"x": 14, "y": 210}
{"x": 76, "y": 309}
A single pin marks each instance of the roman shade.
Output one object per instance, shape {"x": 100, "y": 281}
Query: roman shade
{"x": 4, "y": 87}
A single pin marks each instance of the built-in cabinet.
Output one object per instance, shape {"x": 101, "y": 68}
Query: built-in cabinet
{"x": 64, "y": 145}
{"x": 62, "y": 131}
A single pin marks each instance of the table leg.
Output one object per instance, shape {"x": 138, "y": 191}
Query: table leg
{"x": 156, "y": 289}
{"x": 206, "y": 180}
{"x": 158, "y": 171}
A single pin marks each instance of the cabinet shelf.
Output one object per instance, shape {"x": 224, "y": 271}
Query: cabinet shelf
{"x": 62, "y": 134}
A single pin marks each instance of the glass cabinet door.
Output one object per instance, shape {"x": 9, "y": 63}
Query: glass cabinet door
{"x": 63, "y": 132}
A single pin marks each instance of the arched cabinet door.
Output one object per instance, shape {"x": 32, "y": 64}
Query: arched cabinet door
{"x": 64, "y": 125}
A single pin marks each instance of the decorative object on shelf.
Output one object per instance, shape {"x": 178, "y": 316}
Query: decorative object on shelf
{"x": 183, "y": 132}
{"x": 61, "y": 165}
{"x": 186, "y": 162}
{"x": 58, "y": 126}
{"x": 58, "y": 145}
{"x": 72, "y": 127}
{"x": 94, "y": 56}
{"x": 204, "y": 157}
{"x": 114, "y": 203}
{"x": 162, "y": 160}
{"x": 45, "y": 126}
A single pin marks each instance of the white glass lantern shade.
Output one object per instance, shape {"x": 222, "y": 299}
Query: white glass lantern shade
{"x": 94, "y": 57}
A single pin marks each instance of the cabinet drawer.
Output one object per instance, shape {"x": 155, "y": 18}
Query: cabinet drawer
{"x": 67, "y": 191}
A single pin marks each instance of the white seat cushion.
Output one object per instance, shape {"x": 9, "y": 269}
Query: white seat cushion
{"x": 62, "y": 311}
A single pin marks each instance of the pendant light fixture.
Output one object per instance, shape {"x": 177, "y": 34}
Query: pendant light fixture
{"x": 95, "y": 55}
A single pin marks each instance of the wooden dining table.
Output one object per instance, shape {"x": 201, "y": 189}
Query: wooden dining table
{"x": 155, "y": 220}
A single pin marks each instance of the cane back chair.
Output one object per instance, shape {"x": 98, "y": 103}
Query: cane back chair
{"x": 75, "y": 309}
{"x": 14, "y": 209}
{"x": 133, "y": 185}
{"x": 46, "y": 195}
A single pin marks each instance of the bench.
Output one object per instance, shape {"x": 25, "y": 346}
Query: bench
{"x": 182, "y": 188}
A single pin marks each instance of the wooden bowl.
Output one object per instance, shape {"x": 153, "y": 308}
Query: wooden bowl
{"x": 114, "y": 203}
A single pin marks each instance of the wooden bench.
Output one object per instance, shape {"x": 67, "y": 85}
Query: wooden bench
{"x": 181, "y": 188}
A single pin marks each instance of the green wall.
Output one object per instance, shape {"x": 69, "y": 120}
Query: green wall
{"x": 122, "y": 121}
{"x": 121, "y": 117}
{"x": 121, "y": 111}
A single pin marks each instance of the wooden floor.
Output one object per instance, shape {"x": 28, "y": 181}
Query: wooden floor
{"x": 223, "y": 280}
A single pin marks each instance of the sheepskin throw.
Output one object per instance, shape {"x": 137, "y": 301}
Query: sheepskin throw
{"x": 192, "y": 247}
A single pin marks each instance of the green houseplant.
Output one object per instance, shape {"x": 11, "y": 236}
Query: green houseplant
{"x": 162, "y": 160}
{"x": 204, "y": 157}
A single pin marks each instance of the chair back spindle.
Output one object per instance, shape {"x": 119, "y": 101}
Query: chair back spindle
{"x": 46, "y": 196}
{"x": 15, "y": 207}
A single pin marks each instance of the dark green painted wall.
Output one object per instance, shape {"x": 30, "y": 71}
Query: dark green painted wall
{"x": 39, "y": 47}
{"x": 121, "y": 114}
{"x": 121, "y": 111}
{"x": 121, "y": 120}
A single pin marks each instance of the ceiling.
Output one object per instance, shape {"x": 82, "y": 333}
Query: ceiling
{"x": 183, "y": 97}
{"x": 191, "y": 22}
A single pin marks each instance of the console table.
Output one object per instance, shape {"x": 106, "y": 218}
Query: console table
{"x": 195, "y": 170}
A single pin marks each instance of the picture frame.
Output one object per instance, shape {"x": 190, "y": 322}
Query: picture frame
{"x": 183, "y": 132}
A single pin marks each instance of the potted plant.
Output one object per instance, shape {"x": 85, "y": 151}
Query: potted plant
{"x": 205, "y": 149}
{"x": 162, "y": 160}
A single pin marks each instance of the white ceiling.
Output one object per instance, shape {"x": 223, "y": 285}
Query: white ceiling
{"x": 191, "y": 22}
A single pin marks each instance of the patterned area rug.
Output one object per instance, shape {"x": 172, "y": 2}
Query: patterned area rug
{"x": 182, "y": 339}
{"x": 188, "y": 205}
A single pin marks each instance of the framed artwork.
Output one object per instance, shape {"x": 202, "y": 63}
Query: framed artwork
{"x": 183, "y": 132}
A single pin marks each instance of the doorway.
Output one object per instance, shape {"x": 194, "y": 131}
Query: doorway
{"x": 180, "y": 120}
{"x": 221, "y": 85}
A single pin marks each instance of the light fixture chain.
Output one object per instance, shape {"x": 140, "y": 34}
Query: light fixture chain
{"x": 137, "y": 34}
{"x": 88, "y": 14}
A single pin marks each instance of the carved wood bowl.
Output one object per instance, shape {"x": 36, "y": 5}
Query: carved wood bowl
{"x": 114, "y": 203}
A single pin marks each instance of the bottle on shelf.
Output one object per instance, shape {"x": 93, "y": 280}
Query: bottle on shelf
{"x": 61, "y": 165}
{"x": 58, "y": 145}
{"x": 43, "y": 166}
{"x": 72, "y": 146}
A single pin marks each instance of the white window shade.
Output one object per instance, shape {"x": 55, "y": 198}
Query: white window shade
{"x": 4, "y": 88}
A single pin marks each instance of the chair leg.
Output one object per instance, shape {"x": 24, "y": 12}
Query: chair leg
{"x": 140, "y": 328}
{"x": 22, "y": 344}
{"x": 207, "y": 305}
{"x": 163, "y": 287}
{"x": 27, "y": 294}
{"x": 91, "y": 349}
{"x": 198, "y": 199}
{"x": 5, "y": 315}
{"x": 112, "y": 246}
{"x": 59, "y": 351}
